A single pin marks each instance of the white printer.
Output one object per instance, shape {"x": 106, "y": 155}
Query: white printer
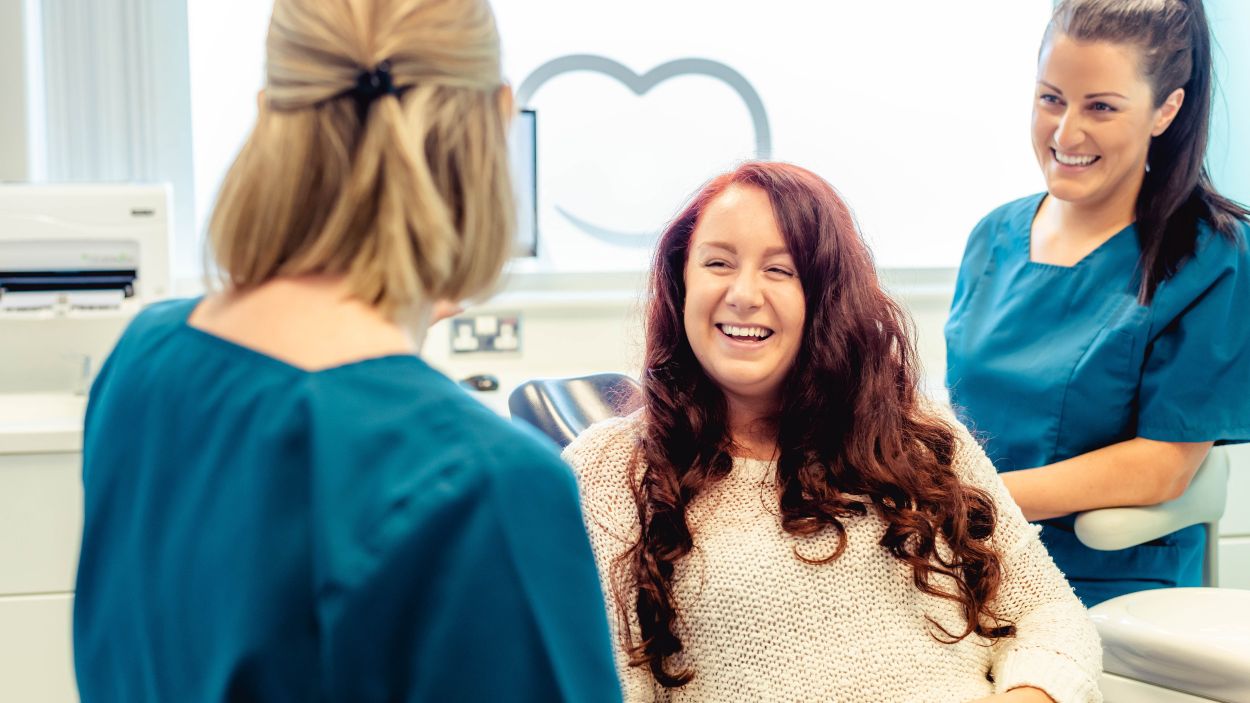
{"x": 76, "y": 263}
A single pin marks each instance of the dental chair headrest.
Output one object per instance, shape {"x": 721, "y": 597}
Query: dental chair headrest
{"x": 562, "y": 407}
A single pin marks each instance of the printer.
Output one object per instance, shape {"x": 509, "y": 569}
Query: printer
{"x": 77, "y": 262}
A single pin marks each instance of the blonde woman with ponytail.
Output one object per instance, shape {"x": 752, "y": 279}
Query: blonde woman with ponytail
{"x": 283, "y": 502}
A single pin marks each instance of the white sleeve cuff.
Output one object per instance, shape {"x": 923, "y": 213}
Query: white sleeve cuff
{"x": 1060, "y": 677}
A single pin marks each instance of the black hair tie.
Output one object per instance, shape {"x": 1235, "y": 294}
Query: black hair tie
{"x": 371, "y": 85}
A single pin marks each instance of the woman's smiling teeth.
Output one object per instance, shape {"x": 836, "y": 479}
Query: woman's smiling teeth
{"x": 1073, "y": 159}
{"x": 744, "y": 333}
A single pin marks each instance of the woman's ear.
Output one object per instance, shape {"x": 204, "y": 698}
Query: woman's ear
{"x": 1168, "y": 112}
{"x": 507, "y": 103}
{"x": 444, "y": 309}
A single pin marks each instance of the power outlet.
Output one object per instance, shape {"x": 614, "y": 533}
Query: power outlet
{"x": 486, "y": 333}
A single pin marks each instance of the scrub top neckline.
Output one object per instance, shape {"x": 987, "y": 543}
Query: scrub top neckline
{"x": 1027, "y": 241}
{"x": 245, "y": 350}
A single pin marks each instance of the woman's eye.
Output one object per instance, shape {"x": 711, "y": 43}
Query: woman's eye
{"x": 715, "y": 263}
{"x": 1102, "y": 107}
{"x": 784, "y": 272}
{"x": 1049, "y": 99}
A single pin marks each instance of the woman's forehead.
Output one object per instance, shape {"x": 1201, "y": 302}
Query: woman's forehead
{"x": 740, "y": 218}
{"x": 1081, "y": 68}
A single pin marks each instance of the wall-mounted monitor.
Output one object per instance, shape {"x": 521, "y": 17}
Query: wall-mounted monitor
{"x": 523, "y": 153}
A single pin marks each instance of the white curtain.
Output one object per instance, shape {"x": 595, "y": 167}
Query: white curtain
{"x": 118, "y": 104}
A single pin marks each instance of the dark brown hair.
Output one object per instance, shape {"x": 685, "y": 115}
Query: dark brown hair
{"x": 852, "y": 433}
{"x": 1174, "y": 46}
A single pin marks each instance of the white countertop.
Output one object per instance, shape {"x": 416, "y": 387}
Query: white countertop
{"x": 40, "y": 423}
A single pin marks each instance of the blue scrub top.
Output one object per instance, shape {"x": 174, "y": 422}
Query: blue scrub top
{"x": 1047, "y": 362}
{"x": 257, "y": 532}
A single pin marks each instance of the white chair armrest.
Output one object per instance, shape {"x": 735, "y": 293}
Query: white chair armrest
{"x": 1202, "y": 502}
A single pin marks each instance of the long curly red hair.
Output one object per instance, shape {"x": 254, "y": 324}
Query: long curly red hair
{"x": 852, "y": 434}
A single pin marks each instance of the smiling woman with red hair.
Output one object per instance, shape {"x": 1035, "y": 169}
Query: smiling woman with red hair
{"x": 786, "y": 518}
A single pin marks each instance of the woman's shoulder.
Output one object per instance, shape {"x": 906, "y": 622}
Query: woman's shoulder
{"x": 423, "y": 438}
{"x": 604, "y": 458}
{"x": 164, "y": 313}
{"x": 1223, "y": 250}
{"x": 608, "y": 442}
{"x": 1218, "y": 270}
{"x": 156, "y": 322}
{"x": 396, "y": 450}
{"x": 996, "y": 231}
{"x": 969, "y": 460}
{"x": 1023, "y": 207}
{"x": 1013, "y": 215}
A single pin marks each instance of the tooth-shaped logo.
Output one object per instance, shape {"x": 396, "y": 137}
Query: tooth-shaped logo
{"x": 640, "y": 85}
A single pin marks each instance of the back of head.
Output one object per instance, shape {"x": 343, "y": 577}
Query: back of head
{"x": 407, "y": 194}
{"x": 1173, "y": 43}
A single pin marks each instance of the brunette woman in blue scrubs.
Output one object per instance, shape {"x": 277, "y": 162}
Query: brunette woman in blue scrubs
{"x": 1098, "y": 340}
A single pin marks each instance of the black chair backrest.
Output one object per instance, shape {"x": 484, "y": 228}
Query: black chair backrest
{"x": 562, "y": 407}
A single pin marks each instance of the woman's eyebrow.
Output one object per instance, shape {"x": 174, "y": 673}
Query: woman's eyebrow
{"x": 1089, "y": 96}
{"x": 769, "y": 252}
{"x": 719, "y": 245}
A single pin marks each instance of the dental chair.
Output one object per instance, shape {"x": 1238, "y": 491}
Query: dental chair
{"x": 1173, "y": 645}
{"x": 562, "y": 408}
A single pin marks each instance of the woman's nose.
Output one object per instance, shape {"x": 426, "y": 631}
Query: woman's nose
{"x": 744, "y": 292}
{"x": 1070, "y": 132}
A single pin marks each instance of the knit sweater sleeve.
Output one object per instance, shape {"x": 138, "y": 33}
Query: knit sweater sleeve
{"x": 601, "y": 458}
{"x": 1056, "y": 647}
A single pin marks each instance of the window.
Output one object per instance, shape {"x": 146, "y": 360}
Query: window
{"x": 227, "y": 60}
{"x": 916, "y": 111}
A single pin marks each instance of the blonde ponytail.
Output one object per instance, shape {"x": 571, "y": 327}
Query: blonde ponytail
{"x": 409, "y": 195}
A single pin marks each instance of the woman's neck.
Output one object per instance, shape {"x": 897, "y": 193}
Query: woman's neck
{"x": 311, "y": 322}
{"x": 1092, "y": 219}
{"x": 753, "y": 428}
{"x": 1064, "y": 232}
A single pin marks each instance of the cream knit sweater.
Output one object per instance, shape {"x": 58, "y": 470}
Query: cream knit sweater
{"x": 758, "y": 624}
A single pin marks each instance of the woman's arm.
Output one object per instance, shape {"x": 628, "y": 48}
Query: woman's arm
{"x": 1055, "y": 648}
{"x": 1138, "y": 471}
{"x": 601, "y": 458}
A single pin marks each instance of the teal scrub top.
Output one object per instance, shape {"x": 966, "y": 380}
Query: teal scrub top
{"x": 1048, "y": 362}
{"x": 369, "y": 532}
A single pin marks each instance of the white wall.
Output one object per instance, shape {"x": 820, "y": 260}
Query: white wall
{"x": 577, "y": 325}
{"x": 638, "y": 103}
{"x": 574, "y": 324}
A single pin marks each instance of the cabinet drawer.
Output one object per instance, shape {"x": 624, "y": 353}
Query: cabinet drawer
{"x": 40, "y": 522}
{"x": 36, "y": 659}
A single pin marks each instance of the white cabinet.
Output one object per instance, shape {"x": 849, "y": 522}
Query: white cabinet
{"x": 36, "y": 661}
{"x": 1235, "y": 526}
{"x": 40, "y": 530}
{"x": 40, "y": 522}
